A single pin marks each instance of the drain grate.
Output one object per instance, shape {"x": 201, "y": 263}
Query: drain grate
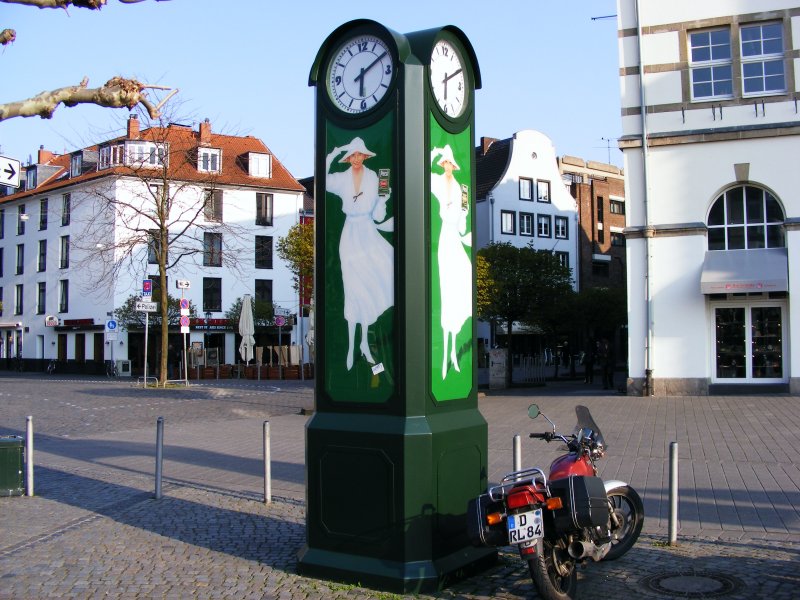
{"x": 692, "y": 584}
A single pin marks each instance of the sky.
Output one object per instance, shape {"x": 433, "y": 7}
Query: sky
{"x": 244, "y": 65}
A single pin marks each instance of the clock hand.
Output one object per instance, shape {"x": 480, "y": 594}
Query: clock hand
{"x": 447, "y": 78}
{"x": 360, "y": 76}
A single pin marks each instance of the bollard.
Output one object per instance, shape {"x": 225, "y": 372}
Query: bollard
{"x": 29, "y": 456}
{"x": 673, "y": 493}
{"x": 267, "y": 466}
{"x": 517, "y": 464}
{"x": 159, "y": 454}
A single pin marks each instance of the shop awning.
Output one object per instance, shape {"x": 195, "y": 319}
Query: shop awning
{"x": 740, "y": 271}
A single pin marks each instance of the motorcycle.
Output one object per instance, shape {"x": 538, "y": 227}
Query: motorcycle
{"x": 561, "y": 519}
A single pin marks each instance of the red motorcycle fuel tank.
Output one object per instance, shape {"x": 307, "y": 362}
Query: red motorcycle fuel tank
{"x": 570, "y": 464}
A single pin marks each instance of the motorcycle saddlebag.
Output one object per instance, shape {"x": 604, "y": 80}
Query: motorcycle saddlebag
{"x": 585, "y": 503}
{"x": 480, "y": 533}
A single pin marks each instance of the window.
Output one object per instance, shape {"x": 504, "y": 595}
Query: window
{"x": 21, "y": 218}
{"x": 263, "y": 290}
{"x": 2, "y": 223}
{"x": 263, "y": 209}
{"x": 563, "y": 258}
{"x": 30, "y": 178}
{"x": 259, "y": 165}
{"x": 508, "y": 222}
{"x": 543, "y": 191}
{"x": 66, "y": 209}
{"x": 18, "y": 306}
{"x": 212, "y": 249}
{"x": 63, "y": 295}
{"x": 41, "y": 265}
{"x": 42, "y": 214}
{"x": 64, "y": 261}
{"x": 525, "y": 224}
{"x": 710, "y": 64}
{"x": 75, "y": 165}
{"x": 616, "y": 207}
{"x": 525, "y": 188}
{"x": 543, "y": 226}
{"x": 745, "y": 217}
{"x": 41, "y": 289}
{"x": 617, "y": 238}
{"x": 20, "y": 259}
{"x": 762, "y": 59}
{"x": 213, "y": 205}
{"x": 212, "y": 294}
{"x": 562, "y": 228}
{"x": 601, "y": 268}
{"x": 263, "y": 252}
{"x": 1, "y": 301}
{"x": 153, "y": 244}
{"x": 599, "y": 205}
{"x": 209, "y": 160}
{"x": 1, "y": 262}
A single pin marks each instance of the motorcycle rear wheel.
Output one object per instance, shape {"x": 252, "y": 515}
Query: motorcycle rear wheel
{"x": 627, "y": 504}
{"x": 548, "y": 568}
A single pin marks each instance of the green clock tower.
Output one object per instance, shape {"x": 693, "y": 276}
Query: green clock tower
{"x": 396, "y": 447}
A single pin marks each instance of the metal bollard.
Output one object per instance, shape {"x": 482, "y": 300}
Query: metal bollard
{"x": 673, "y": 493}
{"x": 29, "y": 456}
{"x": 517, "y": 463}
{"x": 267, "y": 465}
{"x": 159, "y": 454}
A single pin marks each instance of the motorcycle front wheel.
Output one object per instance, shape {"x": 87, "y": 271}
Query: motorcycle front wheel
{"x": 628, "y": 507}
{"x": 553, "y": 571}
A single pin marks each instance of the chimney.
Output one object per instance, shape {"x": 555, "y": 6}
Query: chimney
{"x": 486, "y": 142}
{"x": 45, "y": 156}
{"x": 133, "y": 127}
{"x": 205, "y": 133}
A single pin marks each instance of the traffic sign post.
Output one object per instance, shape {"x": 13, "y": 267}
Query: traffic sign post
{"x": 9, "y": 172}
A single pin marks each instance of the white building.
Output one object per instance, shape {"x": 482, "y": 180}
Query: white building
{"x": 521, "y": 199}
{"x": 713, "y": 212}
{"x": 232, "y": 192}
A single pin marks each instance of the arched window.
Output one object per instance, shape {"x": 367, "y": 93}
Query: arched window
{"x": 745, "y": 217}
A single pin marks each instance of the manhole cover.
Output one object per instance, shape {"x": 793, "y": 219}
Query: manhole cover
{"x": 692, "y": 584}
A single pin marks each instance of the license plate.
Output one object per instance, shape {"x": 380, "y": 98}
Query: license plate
{"x": 525, "y": 527}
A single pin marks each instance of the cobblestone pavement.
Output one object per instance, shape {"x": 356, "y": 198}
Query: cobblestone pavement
{"x": 94, "y": 530}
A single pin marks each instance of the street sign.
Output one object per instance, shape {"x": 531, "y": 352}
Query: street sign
{"x": 185, "y": 307}
{"x": 147, "y": 306}
{"x": 51, "y": 321}
{"x": 184, "y": 324}
{"x": 9, "y": 172}
{"x": 280, "y": 321}
{"x": 111, "y": 329}
{"x": 183, "y": 284}
{"x": 147, "y": 288}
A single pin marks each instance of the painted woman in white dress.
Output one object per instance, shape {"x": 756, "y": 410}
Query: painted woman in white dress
{"x": 455, "y": 268}
{"x": 366, "y": 257}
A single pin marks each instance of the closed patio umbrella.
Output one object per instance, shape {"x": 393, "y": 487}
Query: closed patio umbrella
{"x": 246, "y": 330}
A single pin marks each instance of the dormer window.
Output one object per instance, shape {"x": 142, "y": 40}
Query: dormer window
{"x": 75, "y": 165}
{"x": 259, "y": 165}
{"x": 133, "y": 154}
{"x": 209, "y": 160}
{"x": 30, "y": 178}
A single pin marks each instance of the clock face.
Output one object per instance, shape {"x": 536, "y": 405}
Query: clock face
{"x": 447, "y": 79}
{"x": 360, "y": 74}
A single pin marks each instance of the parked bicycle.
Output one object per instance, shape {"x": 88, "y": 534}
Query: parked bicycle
{"x": 51, "y": 366}
{"x": 111, "y": 369}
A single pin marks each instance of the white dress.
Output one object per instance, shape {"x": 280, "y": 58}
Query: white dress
{"x": 367, "y": 259}
{"x": 455, "y": 268}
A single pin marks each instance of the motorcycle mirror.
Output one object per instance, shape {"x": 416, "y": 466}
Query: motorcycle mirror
{"x": 533, "y": 411}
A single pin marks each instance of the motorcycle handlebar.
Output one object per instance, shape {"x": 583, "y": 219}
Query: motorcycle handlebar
{"x": 546, "y": 436}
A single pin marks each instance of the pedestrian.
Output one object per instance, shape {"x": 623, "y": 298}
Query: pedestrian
{"x": 606, "y": 355}
{"x": 588, "y": 361}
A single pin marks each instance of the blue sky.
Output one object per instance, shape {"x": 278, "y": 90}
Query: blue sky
{"x": 244, "y": 65}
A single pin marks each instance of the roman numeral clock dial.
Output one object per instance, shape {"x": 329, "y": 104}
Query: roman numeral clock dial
{"x": 447, "y": 79}
{"x": 360, "y": 74}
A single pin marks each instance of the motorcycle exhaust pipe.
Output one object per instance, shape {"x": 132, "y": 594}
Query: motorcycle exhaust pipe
{"x": 580, "y": 550}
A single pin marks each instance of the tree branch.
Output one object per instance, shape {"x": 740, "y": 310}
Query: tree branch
{"x": 7, "y": 36}
{"x": 90, "y": 4}
{"x": 117, "y": 92}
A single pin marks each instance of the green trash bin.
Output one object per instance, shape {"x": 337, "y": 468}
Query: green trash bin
{"x": 11, "y": 448}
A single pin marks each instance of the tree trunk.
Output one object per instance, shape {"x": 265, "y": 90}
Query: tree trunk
{"x": 509, "y": 326}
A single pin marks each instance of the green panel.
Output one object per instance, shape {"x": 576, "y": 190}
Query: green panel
{"x": 11, "y": 450}
{"x": 359, "y": 269}
{"x": 451, "y": 287}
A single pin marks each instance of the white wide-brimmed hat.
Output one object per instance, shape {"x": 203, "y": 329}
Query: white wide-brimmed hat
{"x": 356, "y": 145}
{"x": 447, "y": 156}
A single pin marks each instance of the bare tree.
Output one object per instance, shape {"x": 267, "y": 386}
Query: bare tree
{"x": 155, "y": 210}
{"x": 117, "y": 92}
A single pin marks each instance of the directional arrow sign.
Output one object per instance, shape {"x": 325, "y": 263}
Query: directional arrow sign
{"x": 147, "y": 306}
{"x": 9, "y": 172}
